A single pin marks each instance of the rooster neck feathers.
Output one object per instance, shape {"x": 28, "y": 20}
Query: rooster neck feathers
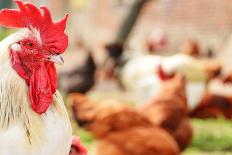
{"x": 12, "y": 107}
{"x": 15, "y": 104}
{"x": 14, "y": 100}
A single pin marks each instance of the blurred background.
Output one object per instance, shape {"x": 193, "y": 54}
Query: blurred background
{"x": 158, "y": 69}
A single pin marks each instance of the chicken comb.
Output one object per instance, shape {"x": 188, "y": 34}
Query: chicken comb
{"x": 162, "y": 75}
{"x": 29, "y": 16}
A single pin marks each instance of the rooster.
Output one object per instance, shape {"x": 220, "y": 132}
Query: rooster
{"x": 33, "y": 118}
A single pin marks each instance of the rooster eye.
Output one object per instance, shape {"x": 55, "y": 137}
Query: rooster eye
{"x": 29, "y": 44}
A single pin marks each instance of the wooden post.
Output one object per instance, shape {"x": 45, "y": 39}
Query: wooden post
{"x": 129, "y": 22}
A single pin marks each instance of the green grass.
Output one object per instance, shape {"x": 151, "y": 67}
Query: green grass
{"x": 211, "y": 137}
{"x": 85, "y": 137}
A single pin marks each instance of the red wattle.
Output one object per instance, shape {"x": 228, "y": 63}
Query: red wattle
{"x": 51, "y": 70}
{"x": 41, "y": 80}
{"x": 40, "y": 90}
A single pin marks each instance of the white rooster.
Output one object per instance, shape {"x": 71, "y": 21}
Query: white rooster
{"x": 33, "y": 118}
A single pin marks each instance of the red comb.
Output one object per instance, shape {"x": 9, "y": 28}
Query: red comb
{"x": 28, "y": 15}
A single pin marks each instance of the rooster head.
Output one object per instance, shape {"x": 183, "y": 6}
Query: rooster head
{"x": 33, "y": 56}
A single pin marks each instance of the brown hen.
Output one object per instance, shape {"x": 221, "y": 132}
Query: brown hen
{"x": 121, "y": 130}
{"x": 168, "y": 109}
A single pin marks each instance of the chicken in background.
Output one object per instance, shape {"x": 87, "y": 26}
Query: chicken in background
{"x": 114, "y": 61}
{"x": 121, "y": 130}
{"x": 217, "y": 100}
{"x": 213, "y": 106}
{"x": 169, "y": 109}
{"x": 79, "y": 78}
{"x": 139, "y": 75}
{"x": 157, "y": 41}
{"x": 191, "y": 48}
{"x": 193, "y": 69}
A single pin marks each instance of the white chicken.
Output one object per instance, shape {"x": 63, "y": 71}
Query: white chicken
{"x": 33, "y": 118}
{"x": 140, "y": 74}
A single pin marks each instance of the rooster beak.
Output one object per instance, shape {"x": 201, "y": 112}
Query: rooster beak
{"x": 58, "y": 59}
